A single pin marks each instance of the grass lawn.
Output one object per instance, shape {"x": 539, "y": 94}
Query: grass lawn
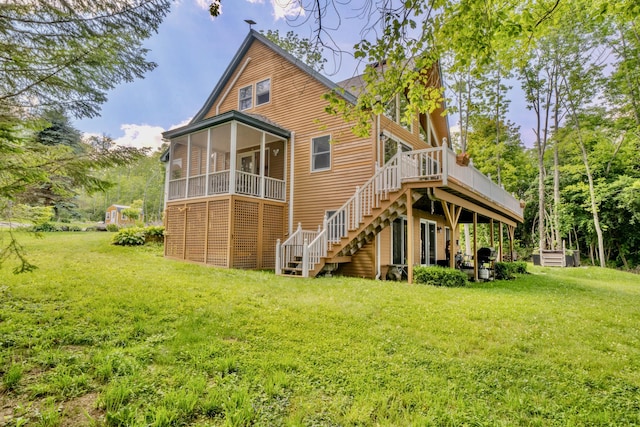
{"x": 106, "y": 335}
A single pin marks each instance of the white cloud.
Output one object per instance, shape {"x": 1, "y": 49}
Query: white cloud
{"x": 286, "y": 8}
{"x": 182, "y": 123}
{"x": 140, "y": 136}
{"x": 203, "y": 4}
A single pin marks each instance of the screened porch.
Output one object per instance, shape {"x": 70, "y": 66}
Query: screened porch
{"x": 233, "y": 155}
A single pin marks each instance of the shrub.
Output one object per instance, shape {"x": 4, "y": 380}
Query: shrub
{"x": 519, "y": 267}
{"x": 154, "y": 233}
{"x": 503, "y": 271}
{"x": 45, "y": 227}
{"x": 113, "y": 228}
{"x": 439, "y": 276}
{"x": 508, "y": 270}
{"x": 136, "y": 236}
{"x": 132, "y": 236}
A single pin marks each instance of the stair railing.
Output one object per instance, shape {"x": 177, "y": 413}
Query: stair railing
{"x": 313, "y": 246}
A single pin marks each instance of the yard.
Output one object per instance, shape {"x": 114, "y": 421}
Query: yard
{"x": 108, "y": 335}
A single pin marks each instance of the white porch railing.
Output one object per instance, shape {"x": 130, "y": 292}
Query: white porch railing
{"x": 307, "y": 248}
{"x": 274, "y": 188}
{"x": 218, "y": 183}
{"x": 177, "y": 188}
{"x": 198, "y": 186}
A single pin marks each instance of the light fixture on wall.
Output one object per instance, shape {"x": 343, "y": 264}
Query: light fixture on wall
{"x": 276, "y": 151}
{"x": 439, "y": 229}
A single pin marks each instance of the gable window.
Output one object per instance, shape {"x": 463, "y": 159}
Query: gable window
{"x": 246, "y": 97}
{"x": 263, "y": 92}
{"x": 321, "y": 153}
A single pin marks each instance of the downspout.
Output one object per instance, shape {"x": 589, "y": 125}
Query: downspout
{"x": 232, "y": 84}
{"x": 291, "y": 181}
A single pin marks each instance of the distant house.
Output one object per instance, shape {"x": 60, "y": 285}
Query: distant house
{"x": 115, "y": 216}
{"x": 254, "y": 181}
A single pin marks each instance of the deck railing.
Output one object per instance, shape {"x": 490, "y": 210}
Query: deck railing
{"x": 219, "y": 183}
{"x": 428, "y": 164}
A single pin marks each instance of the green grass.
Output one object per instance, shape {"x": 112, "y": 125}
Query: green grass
{"x": 135, "y": 339}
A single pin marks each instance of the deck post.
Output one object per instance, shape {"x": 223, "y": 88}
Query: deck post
{"x": 234, "y": 155}
{"x": 410, "y": 236}
{"x": 445, "y": 165}
{"x": 358, "y": 200}
{"x": 305, "y": 258}
{"x": 475, "y": 246}
{"x": 278, "y": 257}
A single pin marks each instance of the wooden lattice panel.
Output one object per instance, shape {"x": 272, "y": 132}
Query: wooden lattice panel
{"x": 174, "y": 232}
{"x": 245, "y": 247}
{"x": 218, "y": 233}
{"x": 194, "y": 239}
{"x": 272, "y": 230}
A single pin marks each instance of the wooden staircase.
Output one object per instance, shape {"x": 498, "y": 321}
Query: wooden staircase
{"x": 341, "y": 251}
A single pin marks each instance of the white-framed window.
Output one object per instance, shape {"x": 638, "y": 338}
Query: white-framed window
{"x": 107, "y": 216}
{"x": 245, "y": 97}
{"x": 263, "y": 92}
{"x": 321, "y": 153}
{"x": 395, "y": 110}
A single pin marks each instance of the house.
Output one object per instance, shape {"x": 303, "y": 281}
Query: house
{"x": 263, "y": 178}
{"x": 114, "y": 215}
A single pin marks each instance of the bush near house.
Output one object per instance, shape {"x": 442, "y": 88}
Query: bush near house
{"x": 137, "y": 236}
{"x": 439, "y": 276}
{"x": 508, "y": 270}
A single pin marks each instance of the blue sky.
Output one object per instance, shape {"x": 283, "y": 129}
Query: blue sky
{"x": 192, "y": 51}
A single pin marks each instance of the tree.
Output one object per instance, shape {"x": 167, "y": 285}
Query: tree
{"x": 302, "y": 48}
{"x": 63, "y": 56}
{"x": 68, "y": 54}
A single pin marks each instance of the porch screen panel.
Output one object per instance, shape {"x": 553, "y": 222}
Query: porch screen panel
{"x": 245, "y": 244}
{"x": 196, "y": 223}
{"x": 174, "y": 234}
{"x": 272, "y": 230}
{"x": 218, "y": 233}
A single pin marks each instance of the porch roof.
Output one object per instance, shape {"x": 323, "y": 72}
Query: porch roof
{"x": 252, "y": 120}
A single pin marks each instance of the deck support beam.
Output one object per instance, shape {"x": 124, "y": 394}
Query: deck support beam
{"x": 410, "y": 238}
{"x": 475, "y": 246}
{"x": 452, "y": 214}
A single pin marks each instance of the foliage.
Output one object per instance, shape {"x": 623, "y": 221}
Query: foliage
{"x": 439, "y": 276}
{"x": 161, "y": 340}
{"x": 113, "y": 228}
{"x": 301, "y": 48}
{"x": 69, "y": 54}
{"x": 141, "y": 179}
{"x": 508, "y": 270}
{"x": 136, "y": 236}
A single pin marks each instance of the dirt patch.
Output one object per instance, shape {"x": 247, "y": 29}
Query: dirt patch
{"x": 82, "y": 411}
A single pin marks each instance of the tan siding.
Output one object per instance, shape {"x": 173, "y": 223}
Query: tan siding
{"x": 297, "y": 105}
{"x": 362, "y": 263}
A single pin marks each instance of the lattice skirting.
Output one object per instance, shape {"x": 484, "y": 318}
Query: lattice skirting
{"x": 230, "y": 232}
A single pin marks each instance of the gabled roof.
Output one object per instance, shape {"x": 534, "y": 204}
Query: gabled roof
{"x": 235, "y": 62}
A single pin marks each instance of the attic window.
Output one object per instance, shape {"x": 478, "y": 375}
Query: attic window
{"x": 263, "y": 92}
{"x": 246, "y": 97}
